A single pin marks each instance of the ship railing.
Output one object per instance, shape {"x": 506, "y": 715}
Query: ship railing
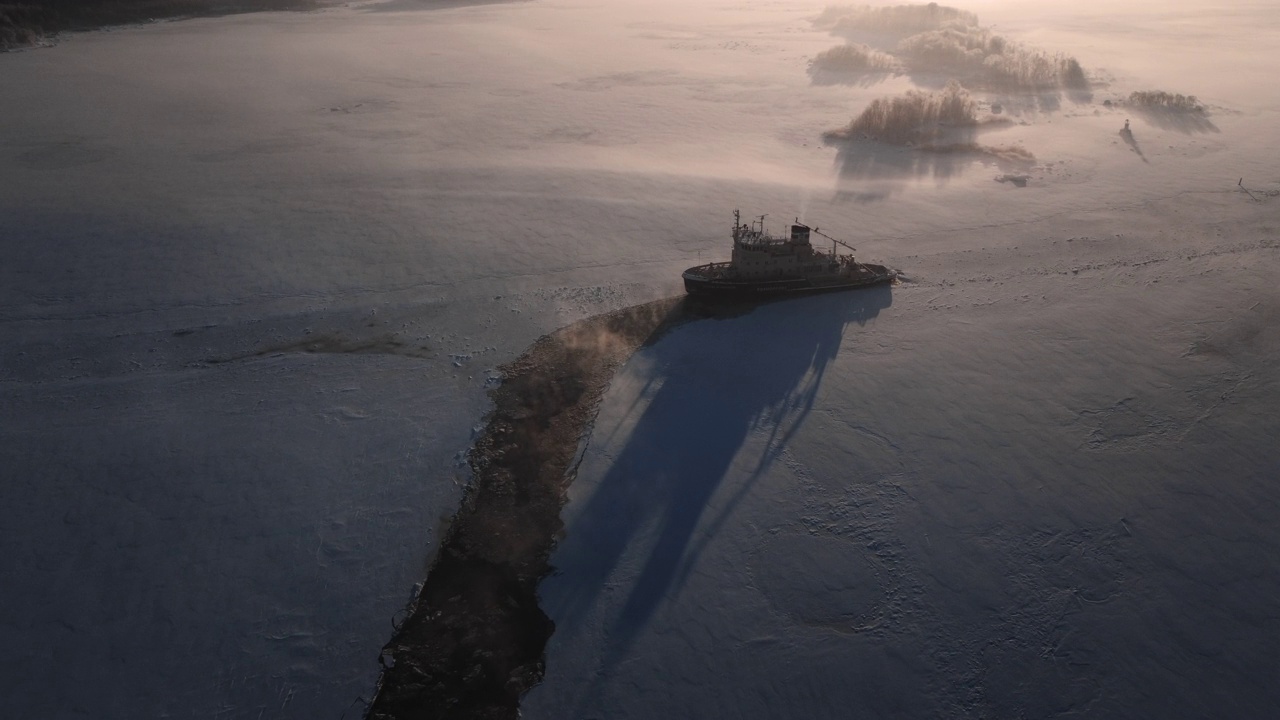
{"x": 713, "y": 270}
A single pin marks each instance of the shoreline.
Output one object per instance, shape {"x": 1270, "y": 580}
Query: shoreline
{"x": 26, "y": 25}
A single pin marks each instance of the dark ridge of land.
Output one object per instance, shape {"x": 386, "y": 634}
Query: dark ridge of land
{"x": 335, "y": 344}
{"x": 475, "y": 639}
{"x": 24, "y": 24}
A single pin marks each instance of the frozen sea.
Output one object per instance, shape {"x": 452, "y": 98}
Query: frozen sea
{"x": 257, "y": 272}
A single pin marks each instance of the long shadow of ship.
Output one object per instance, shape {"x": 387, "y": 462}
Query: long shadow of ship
{"x": 769, "y": 364}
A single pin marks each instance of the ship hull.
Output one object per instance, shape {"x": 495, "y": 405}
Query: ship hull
{"x": 701, "y": 283}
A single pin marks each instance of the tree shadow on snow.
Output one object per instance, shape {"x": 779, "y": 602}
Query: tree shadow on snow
{"x": 1187, "y": 123}
{"x": 859, "y": 78}
{"x": 871, "y": 160}
{"x": 768, "y": 366}
{"x": 864, "y": 160}
{"x": 1127, "y": 135}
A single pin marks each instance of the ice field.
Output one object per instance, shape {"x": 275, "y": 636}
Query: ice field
{"x": 258, "y": 271}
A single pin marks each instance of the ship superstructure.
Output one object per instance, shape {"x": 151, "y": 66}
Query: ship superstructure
{"x": 765, "y": 264}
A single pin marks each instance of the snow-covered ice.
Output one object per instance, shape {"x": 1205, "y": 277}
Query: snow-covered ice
{"x": 255, "y": 273}
{"x": 1016, "y": 490}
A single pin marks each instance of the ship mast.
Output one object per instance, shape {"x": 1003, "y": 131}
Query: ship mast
{"x": 834, "y": 242}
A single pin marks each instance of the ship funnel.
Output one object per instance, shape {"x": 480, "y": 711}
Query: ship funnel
{"x": 800, "y": 233}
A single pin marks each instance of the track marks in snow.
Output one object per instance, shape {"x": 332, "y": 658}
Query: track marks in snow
{"x": 1039, "y": 270}
{"x": 844, "y": 539}
{"x": 1130, "y": 425}
{"x": 794, "y": 570}
{"x": 1124, "y": 425}
{"x": 1001, "y": 614}
{"x": 1248, "y": 334}
{"x": 865, "y": 432}
{"x": 1231, "y": 357}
